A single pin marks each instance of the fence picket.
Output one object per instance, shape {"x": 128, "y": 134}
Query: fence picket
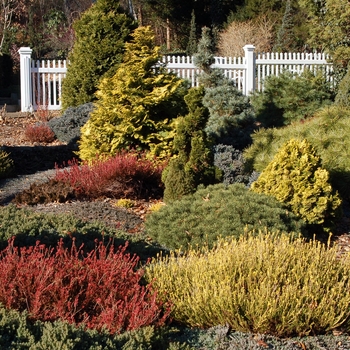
{"x": 41, "y": 84}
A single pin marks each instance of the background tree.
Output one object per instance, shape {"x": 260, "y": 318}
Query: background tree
{"x": 136, "y": 105}
{"x": 329, "y": 28}
{"x": 101, "y": 33}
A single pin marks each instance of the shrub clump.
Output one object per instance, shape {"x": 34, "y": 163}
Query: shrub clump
{"x": 67, "y": 127}
{"x": 266, "y": 284}
{"x": 218, "y": 210}
{"x": 39, "y": 133}
{"x": 101, "y": 290}
{"x": 127, "y": 175}
{"x": 136, "y": 105}
{"x": 192, "y": 162}
{"x": 290, "y": 97}
{"x": 327, "y": 132}
{"x": 230, "y": 162}
{"x": 6, "y": 164}
{"x": 100, "y": 35}
{"x": 296, "y": 178}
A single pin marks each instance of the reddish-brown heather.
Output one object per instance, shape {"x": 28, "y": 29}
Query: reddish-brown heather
{"x": 126, "y": 175}
{"x": 101, "y": 289}
{"x": 39, "y": 133}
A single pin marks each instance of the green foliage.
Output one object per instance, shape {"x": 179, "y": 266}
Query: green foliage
{"x": 231, "y": 163}
{"x": 192, "y": 163}
{"x": 329, "y": 24}
{"x": 218, "y": 210}
{"x": 136, "y": 105}
{"x": 296, "y": 178}
{"x": 231, "y": 115}
{"x": 6, "y": 164}
{"x": 100, "y": 35}
{"x": 327, "y": 132}
{"x": 67, "y": 127}
{"x": 290, "y": 97}
{"x": 266, "y": 284}
{"x": 343, "y": 94}
{"x": 17, "y": 332}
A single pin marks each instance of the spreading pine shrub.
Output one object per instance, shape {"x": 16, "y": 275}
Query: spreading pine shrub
{"x": 218, "y": 210}
{"x": 101, "y": 290}
{"x": 296, "y": 178}
{"x": 290, "y": 97}
{"x": 6, "y": 164}
{"x": 136, "y": 105}
{"x": 192, "y": 162}
{"x": 327, "y": 132}
{"x": 100, "y": 35}
{"x": 264, "y": 284}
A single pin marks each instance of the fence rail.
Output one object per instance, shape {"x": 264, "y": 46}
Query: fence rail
{"x": 41, "y": 81}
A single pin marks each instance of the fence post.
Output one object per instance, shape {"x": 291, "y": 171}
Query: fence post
{"x": 26, "y": 83}
{"x": 250, "y": 73}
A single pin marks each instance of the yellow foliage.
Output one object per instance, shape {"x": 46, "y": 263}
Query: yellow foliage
{"x": 261, "y": 284}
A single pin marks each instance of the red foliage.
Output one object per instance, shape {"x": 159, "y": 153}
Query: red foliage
{"x": 39, "y": 133}
{"x": 127, "y": 175}
{"x": 101, "y": 289}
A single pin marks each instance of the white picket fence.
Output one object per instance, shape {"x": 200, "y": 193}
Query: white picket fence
{"x": 41, "y": 81}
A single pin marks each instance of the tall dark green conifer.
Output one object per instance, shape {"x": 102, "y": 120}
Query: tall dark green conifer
{"x": 101, "y": 33}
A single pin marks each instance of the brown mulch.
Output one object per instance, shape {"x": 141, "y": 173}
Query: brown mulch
{"x": 33, "y": 160}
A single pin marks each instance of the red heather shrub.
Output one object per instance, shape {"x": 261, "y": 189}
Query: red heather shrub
{"x": 127, "y": 175}
{"x": 39, "y": 133}
{"x": 101, "y": 289}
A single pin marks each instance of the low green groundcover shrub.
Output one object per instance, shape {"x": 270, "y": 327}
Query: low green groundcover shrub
{"x": 28, "y": 227}
{"x": 327, "y": 132}
{"x": 18, "y": 332}
{"x": 218, "y": 210}
{"x": 265, "y": 284}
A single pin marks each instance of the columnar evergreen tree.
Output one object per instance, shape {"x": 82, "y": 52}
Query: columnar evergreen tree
{"x": 135, "y": 106}
{"x": 230, "y": 111}
{"x": 101, "y": 33}
{"x": 192, "y": 163}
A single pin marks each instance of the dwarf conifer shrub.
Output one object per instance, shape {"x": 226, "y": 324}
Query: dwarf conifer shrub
{"x": 327, "y": 132}
{"x": 67, "y": 127}
{"x": 39, "y": 133}
{"x": 296, "y": 178}
{"x": 101, "y": 290}
{"x": 192, "y": 162}
{"x": 6, "y": 164}
{"x": 136, "y": 105}
{"x": 218, "y": 210}
{"x": 290, "y": 97}
{"x": 230, "y": 161}
{"x": 100, "y": 35}
{"x": 263, "y": 284}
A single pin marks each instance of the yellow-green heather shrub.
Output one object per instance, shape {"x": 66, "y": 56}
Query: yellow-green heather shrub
{"x": 262, "y": 284}
{"x": 296, "y": 178}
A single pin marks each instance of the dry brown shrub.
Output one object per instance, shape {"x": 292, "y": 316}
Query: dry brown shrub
{"x": 258, "y": 32}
